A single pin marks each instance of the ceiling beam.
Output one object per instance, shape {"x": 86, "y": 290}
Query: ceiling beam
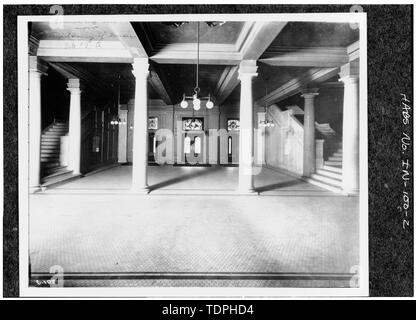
{"x": 259, "y": 38}
{"x": 294, "y": 86}
{"x": 226, "y": 84}
{"x": 186, "y": 53}
{"x": 87, "y": 79}
{"x": 84, "y": 51}
{"x": 324, "y": 57}
{"x": 254, "y": 39}
{"x": 158, "y": 86}
{"x": 128, "y": 37}
{"x": 353, "y": 51}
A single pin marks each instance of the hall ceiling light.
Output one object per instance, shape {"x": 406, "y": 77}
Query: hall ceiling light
{"x": 196, "y": 99}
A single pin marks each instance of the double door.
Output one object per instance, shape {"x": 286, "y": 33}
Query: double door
{"x": 193, "y": 147}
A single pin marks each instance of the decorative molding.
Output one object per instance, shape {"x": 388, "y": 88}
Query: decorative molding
{"x": 294, "y": 86}
{"x": 244, "y": 33}
{"x": 83, "y": 51}
{"x": 309, "y": 93}
{"x": 353, "y": 51}
{"x": 158, "y": 86}
{"x": 261, "y": 35}
{"x": 247, "y": 67}
{"x": 254, "y": 39}
{"x": 185, "y": 53}
{"x": 246, "y": 45}
{"x": 226, "y": 84}
{"x": 71, "y": 72}
{"x": 306, "y": 56}
{"x": 128, "y": 37}
{"x": 74, "y": 85}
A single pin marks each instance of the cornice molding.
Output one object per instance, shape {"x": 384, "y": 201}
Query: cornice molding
{"x": 294, "y": 86}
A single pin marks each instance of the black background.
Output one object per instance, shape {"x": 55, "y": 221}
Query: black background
{"x": 390, "y": 67}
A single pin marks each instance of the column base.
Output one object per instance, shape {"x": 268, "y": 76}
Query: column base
{"x": 34, "y": 189}
{"x": 245, "y": 191}
{"x": 140, "y": 190}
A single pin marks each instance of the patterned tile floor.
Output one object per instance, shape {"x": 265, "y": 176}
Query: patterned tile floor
{"x": 187, "y": 178}
{"x": 175, "y": 233}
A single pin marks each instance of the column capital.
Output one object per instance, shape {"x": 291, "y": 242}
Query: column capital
{"x": 309, "y": 93}
{"x": 140, "y": 67}
{"x": 248, "y": 68}
{"x": 74, "y": 86}
{"x": 349, "y": 72}
{"x": 37, "y": 66}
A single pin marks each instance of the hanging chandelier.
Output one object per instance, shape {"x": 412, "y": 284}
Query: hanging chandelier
{"x": 196, "y": 99}
{"x": 115, "y": 120}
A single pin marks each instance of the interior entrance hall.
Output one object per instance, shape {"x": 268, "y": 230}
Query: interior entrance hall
{"x": 177, "y": 123}
{"x": 276, "y": 95}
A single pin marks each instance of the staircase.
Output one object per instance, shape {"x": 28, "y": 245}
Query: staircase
{"x": 330, "y": 175}
{"x": 51, "y": 171}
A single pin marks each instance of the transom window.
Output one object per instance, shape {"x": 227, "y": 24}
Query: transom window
{"x": 193, "y": 124}
{"x": 233, "y": 124}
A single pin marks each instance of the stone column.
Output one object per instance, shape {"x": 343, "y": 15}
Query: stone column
{"x": 139, "y": 172}
{"x": 309, "y": 155}
{"x": 74, "y": 161}
{"x": 350, "y": 127}
{"x": 246, "y": 73}
{"x": 36, "y": 70}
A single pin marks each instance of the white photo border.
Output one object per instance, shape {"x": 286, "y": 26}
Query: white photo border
{"x": 190, "y": 292}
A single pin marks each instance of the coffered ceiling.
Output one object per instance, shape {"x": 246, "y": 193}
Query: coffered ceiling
{"x": 286, "y": 52}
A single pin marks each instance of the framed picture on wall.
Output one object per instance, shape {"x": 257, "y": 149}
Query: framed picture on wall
{"x": 152, "y": 123}
{"x": 233, "y": 124}
{"x": 193, "y": 124}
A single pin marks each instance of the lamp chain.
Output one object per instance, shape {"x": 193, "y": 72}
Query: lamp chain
{"x": 197, "y": 59}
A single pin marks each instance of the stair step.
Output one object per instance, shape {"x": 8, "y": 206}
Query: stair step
{"x": 333, "y": 169}
{"x": 49, "y": 155}
{"x": 330, "y": 174}
{"x": 49, "y": 159}
{"x": 333, "y": 163}
{"x": 50, "y": 164}
{"x": 49, "y": 147}
{"x": 54, "y": 134}
{"x": 49, "y": 150}
{"x": 51, "y": 138}
{"x": 59, "y": 127}
{"x": 324, "y": 185}
{"x": 337, "y": 154}
{"x": 335, "y": 158}
{"x": 328, "y": 180}
{"x": 57, "y": 130}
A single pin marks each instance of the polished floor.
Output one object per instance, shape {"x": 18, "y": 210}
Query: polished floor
{"x": 190, "y": 180}
{"x": 128, "y": 238}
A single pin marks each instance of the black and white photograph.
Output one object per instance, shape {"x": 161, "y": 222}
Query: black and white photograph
{"x": 193, "y": 155}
